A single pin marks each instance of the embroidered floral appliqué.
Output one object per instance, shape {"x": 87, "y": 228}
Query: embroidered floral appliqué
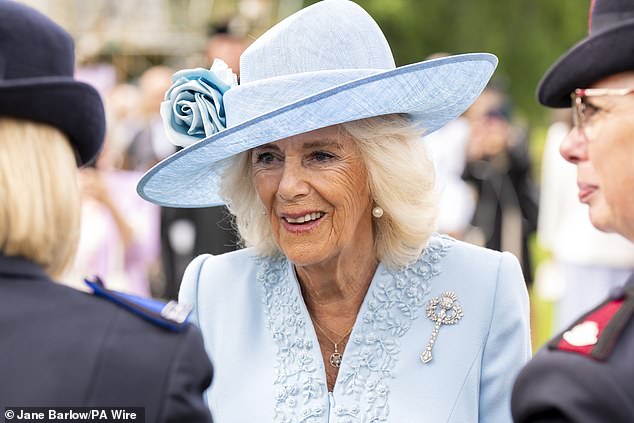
{"x": 298, "y": 386}
{"x": 394, "y": 303}
{"x": 392, "y": 307}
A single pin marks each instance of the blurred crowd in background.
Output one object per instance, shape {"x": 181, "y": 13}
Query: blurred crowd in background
{"x": 496, "y": 188}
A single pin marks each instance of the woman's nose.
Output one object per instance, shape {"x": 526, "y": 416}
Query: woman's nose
{"x": 294, "y": 182}
{"x": 574, "y": 148}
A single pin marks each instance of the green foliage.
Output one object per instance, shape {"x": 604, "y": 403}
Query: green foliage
{"x": 526, "y": 35}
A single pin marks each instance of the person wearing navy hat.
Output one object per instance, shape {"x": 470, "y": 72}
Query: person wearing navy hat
{"x": 60, "y": 347}
{"x": 586, "y": 373}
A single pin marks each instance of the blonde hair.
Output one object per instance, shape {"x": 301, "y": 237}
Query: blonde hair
{"x": 39, "y": 197}
{"x": 400, "y": 180}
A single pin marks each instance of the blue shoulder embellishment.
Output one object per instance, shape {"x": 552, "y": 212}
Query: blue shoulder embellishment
{"x": 171, "y": 316}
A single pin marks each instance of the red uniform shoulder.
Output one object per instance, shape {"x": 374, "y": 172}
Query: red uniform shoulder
{"x": 596, "y": 333}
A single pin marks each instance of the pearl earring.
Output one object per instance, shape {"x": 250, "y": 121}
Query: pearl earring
{"x": 377, "y": 212}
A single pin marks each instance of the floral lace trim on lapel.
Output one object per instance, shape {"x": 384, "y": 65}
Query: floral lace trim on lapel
{"x": 394, "y": 304}
{"x": 398, "y": 299}
{"x": 299, "y": 389}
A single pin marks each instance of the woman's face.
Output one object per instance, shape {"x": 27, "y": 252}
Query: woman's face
{"x": 604, "y": 154}
{"x": 315, "y": 192}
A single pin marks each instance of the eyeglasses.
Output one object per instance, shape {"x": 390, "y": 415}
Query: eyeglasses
{"x": 583, "y": 111}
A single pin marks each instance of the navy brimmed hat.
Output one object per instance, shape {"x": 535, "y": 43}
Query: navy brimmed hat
{"x": 36, "y": 79}
{"x": 608, "y": 49}
{"x": 326, "y": 64}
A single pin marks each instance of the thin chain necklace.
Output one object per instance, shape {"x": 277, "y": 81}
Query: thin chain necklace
{"x": 335, "y": 357}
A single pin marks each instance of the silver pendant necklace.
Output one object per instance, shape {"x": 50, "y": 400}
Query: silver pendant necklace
{"x": 335, "y": 357}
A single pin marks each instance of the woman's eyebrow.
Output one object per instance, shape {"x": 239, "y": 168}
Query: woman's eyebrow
{"x": 269, "y": 146}
{"x": 322, "y": 143}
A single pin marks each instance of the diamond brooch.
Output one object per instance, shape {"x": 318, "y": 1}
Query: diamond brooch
{"x": 443, "y": 310}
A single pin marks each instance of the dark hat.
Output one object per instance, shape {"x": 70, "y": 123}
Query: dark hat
{"x": 607, "y": 50}
{"x": 36, "y": 79}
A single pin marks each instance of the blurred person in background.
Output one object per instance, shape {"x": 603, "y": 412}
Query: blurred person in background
{"x": 498, "y": 167}
{"x": 215, "y": 226}
{"x": 448, "y": 150}
{"x": 227, "y": 41}
{"x": 333, "y": 311}
{"x": 119, "y": 237}
{"x": 124, "y": 117}
{"x": 62, "y": 347}
{"x": 187, "y": 233}
{"x": 587, "y": 264}
{"x": 149, "y": 145}
{"x": 586, "y": 373}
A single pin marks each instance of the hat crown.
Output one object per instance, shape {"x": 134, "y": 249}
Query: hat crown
{"x": 605, "y": 14}
{"x": 311, "y": 40}
{"x": 31, "y": 45}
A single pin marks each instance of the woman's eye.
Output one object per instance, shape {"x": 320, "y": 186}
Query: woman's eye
{"x": 322, "y": 156}
{"x": 266, "y": 157}
{"x": 590, "y": 110}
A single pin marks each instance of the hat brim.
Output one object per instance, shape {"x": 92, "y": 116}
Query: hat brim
{"x": 602, "y": 54}
{"x": 73, "y": 107}
{"x": 432, "y": 92}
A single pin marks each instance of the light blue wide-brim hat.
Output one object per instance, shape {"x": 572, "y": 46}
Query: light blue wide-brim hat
{"x": 327, "y": 64}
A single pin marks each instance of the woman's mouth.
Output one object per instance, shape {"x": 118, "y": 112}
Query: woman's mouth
{"x": 586, "y": 191}
{"x": 303, "y": 219}
{"x": 302, "y": 222}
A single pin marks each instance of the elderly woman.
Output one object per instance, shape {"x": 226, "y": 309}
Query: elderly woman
{"x": 344, "y": 307}
{"x": 62, "y": 347}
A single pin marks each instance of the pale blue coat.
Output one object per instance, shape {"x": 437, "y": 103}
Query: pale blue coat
{"x": 268, "y": 366}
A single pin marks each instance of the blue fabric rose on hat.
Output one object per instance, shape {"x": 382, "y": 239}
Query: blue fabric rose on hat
{"x": 193, "y": 108}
